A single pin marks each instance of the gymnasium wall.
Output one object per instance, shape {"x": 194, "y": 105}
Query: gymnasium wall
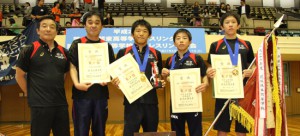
{"x": 276, "y": 3}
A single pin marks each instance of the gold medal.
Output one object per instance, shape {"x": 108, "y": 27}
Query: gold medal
{"x": 235, "y": 72}
{"x": 143, "y": 77}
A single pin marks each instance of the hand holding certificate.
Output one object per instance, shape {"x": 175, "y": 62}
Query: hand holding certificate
{"x": 93, "y": 62}
{"x": 133, "y": 83}
{"x": 183, "y": 90}
{"x": 228, "y": 81}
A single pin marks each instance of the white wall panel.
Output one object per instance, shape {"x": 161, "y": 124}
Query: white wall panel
{"x": 233, "y": 2}
{"x": 32, "y": 2}
{"x": 173, "y": 1}
{"x": 268, "y": 3}
{"x": 152, "y": 1}
{"x": 287, "y": 3}
{"x": 138, "y": 1}
{"x": 109, "y": 1}
{"x": 7, "y": 1}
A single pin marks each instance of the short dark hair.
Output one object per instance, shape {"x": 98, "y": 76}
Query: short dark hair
{"x": 224, "y": 16}
{"x": 68, "y": 22}
{"x": 55, "y": 3}
{"x": 78, "y": 9}
{"x": 11, "y": 20}
{"x": 27, "y": 3}
{"x": 90, "y": 14}
{"x": 222, "y": 3}
{"x": 141, "y": 22}
{"x": 47, "y": 17}
{"x": 182, "y": 30}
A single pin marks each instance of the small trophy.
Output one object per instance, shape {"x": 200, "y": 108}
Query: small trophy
{"x": 155, "y": 78}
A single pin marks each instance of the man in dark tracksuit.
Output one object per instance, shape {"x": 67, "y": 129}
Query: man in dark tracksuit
{"x": 143, "y": 111}
{"x": 45, "y": 64}
{"x": 89, "y": 100}
{"x": 183, "y": 59}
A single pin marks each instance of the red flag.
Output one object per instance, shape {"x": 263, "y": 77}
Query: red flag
{"x": 255, "y": 111}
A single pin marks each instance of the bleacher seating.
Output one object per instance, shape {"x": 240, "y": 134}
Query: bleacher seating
{"x": 187, "y": 11}
{"x": 263, "y": 12}
{"x": 183, "y": 12}
{"x": 135, "y": 9}
{"x": 7, "y": 9}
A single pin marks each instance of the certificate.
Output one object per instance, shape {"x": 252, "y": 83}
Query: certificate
{"x": 93, "y": 62}
{"x": 183, "y": 84}
{"x": 228, "y": 81}
{"x": 133, "y": 83}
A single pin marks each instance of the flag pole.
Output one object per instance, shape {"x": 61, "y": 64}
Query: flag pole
{"x": 217, "y": 117}
{"x": 276, "y": 25}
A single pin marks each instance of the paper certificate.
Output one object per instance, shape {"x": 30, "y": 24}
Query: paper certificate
{"x": 183, "y": 84}
{"x": 133, "y": 83}
{"x": 93, "y": 62}
{"x": 228, "y": 81}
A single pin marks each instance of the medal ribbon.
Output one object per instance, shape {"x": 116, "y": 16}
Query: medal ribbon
{"x": 138, "y": 59}
{"x": 233, "y": 57}
{"x": 186, "y": 55}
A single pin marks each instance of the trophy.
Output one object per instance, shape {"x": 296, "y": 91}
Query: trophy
{"x": 155, "y": 78}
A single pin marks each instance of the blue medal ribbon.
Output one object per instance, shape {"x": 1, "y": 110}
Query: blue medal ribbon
{"x": 233, "y": 57}
{"x": 186, "y": 55}
{"x": 138, "y": 59}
